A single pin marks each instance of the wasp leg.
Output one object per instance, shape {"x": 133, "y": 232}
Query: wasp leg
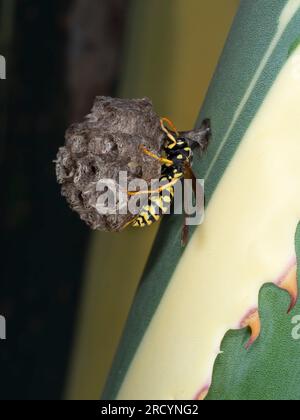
{"x": 184, "y": 233}
{"x": 189, "y": 174}
{"x": 130, "y": 222}
{"x": 163, "y": 161}
{"x": 158, "y": 190}
{"x": 185, "y": 228}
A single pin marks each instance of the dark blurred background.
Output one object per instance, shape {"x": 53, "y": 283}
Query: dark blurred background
{"x": 60, "y": 54}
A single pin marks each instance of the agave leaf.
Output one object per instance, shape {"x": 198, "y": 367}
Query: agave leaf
{"x": 270, "y": 369}
{"x": 148, "y": 362}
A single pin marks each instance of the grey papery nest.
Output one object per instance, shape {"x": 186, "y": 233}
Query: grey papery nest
{"x": 106, "y": 143}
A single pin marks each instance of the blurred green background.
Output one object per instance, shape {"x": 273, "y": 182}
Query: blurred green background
{"x": 65, "y": 291}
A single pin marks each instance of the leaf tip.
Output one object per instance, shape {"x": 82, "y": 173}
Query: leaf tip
{"x": 252, "y": 321}
{"x": 202, "y": 394}
{"x": 289, "y": 283}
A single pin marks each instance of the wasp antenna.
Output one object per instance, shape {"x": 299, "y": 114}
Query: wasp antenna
{"x": 163, "y": 127}
{"x": 170, "y": 123}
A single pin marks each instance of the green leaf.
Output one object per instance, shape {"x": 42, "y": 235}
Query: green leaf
{"x": 270, "y": 369}
{"x": 251, "y": 61}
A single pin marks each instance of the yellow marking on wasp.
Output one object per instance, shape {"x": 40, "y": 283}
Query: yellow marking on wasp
{"x": 135, "y": 222}
{"x": 146, "y": 217}
{"x": 153, "y": 212}
{"x": 141, "y": 224}
{"x": 180, "y": 157}
{"x": 167, "y": 199}
{"x": 178, "y": 175}
{"x": 159, "y": 202}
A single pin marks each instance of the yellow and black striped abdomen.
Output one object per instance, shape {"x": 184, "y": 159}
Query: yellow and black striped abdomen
{"x": 159, "y": 203}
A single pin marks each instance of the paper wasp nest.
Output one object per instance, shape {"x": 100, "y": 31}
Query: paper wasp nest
{"x": 107, "y": 142}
